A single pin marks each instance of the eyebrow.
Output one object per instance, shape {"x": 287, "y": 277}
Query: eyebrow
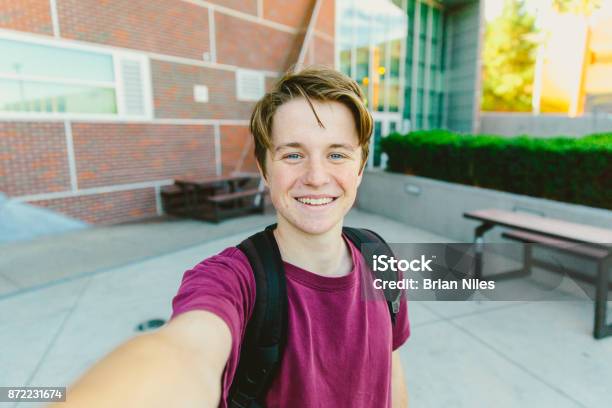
{"x": 299, "y": 145}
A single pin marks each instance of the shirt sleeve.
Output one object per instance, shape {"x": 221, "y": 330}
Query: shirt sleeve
{"x": 222, "y": 284}
{"x": 401, "y": 330}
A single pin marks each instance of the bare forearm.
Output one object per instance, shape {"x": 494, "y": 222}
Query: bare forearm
{"x": 399, "y": 393}
{"x": 148, "y": 371}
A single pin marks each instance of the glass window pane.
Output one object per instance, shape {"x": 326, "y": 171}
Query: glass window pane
{"x": 407, "y": 101}
{"x": 363, "y": 66}
{"x": 379, "y": 76}
{"x": 423, "y": 21}
{"x": 394, "y": 96}
{"x": 345, "y": 60}
{"x": 31, "y": 96}
{"x": 377, "y": 136}
{"x": 419, "y": 102}
{"x": 21, "y": 58}
{"x": 436, "y": 24}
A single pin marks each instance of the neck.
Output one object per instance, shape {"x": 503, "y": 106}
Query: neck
{"x": 324, "y": 254}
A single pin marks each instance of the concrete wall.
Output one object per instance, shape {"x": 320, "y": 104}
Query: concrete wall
{"x": 462, "y": 39}
{"x": 438, "y": 206}
{"x": 512, "y": 124}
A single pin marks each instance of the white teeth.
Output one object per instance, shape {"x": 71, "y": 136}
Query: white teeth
{"x": 315, "y": 201}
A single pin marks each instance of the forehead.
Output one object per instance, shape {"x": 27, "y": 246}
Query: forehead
{"x": 295, "y": 121}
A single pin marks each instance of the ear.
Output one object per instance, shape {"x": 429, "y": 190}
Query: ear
{"x": 261, "y": 173}
{"x": 360, "y": 177}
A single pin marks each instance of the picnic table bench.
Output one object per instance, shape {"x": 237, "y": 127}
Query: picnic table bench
{"x": 583, "y": 241}
{"x": 214, "y": 198}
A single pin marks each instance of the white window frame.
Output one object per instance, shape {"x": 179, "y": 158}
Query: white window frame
{"x": 117, "y": 84}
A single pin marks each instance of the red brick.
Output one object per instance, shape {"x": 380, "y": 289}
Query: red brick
{"x": 246, "y": 6}
{"x": 295, "y": 13}
{"x": 162, "y": 26}
{"x": 33, "y": 158}
{"x": 26, "y": 15}
{"x": 251, "y": 45}
{"x": 106, "y": 208}
{"x": 234, "y": 139}
{"x": 173, "y": 92}
{"x": 110, "y": 154}
{"x": 323, "y": 51}
{"x": 326, "y": 22}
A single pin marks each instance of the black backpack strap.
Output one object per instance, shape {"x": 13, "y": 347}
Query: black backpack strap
{"x": 266, "y": 331}
{"x": 361, "y": 236}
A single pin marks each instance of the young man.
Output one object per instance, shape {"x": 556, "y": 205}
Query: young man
{"x": 312, "y": 133}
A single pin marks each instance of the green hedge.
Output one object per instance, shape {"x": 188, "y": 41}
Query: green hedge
{"x": 575, "y": 170}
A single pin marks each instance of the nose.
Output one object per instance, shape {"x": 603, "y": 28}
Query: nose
{"x": 316, "y": 174}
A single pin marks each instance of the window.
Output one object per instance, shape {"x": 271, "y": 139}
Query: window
{"x": 370, "y": 36}
{"x": 41, "y": 78}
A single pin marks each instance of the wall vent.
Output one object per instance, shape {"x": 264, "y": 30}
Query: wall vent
{"x": 250, "y": 85}
{"x": 133, "y": 87}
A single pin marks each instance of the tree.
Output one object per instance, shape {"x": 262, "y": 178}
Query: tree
{"x": 509, "y": 60}
{"x": 579, "y": 7}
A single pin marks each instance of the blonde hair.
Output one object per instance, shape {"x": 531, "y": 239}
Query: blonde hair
{"x": 321, "y": 84}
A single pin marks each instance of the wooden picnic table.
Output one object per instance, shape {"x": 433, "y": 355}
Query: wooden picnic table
{"x": 234, "y": 182}
{"x": 542, "y": 225}
{"x": 578, "y": 239}
{"x": 217, "y": 197}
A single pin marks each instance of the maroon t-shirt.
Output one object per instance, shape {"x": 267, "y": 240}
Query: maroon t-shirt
{"x": 338, "y": 351}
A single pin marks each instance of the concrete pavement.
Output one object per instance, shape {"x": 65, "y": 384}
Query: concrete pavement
{"x": 460, "y": 354}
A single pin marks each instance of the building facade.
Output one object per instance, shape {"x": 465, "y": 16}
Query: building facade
{"x": 102, "y": 103}
{"x": 417, "y": 62}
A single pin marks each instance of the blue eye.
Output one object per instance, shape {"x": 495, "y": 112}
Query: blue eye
{"x": 292, "y": 156}
{"x": 337, "y": 156}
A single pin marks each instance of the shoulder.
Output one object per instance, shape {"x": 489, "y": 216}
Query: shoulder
{"x": 230, "y": 255}
{"x": 222, "y": 284}
{"x": 226, "y": 276}
{"x": 231, "y": 259}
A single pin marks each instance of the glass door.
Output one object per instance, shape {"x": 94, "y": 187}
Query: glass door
{"x": 385, "y": 123}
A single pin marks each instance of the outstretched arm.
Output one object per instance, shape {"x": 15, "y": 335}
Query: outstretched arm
{"x": 399, "y": 394}
{"x": 179, "y": 365}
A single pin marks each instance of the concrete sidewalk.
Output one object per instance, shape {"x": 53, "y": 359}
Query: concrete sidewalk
{"x": 461, "y": 354}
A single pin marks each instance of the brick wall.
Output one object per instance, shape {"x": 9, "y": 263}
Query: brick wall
{"x": 245, "y": 6}
{"x": 163, "y": 26}
{"x": 107, "y": 208}
{"x": 173, "y": 92}
{"x": 33, "y": 158}
{"x": 251, "y": 45}
{"x": 26, "y": 15}
{"x": 109, "y": 154}
{"x": 236, "y": 145}
{"x": 294, "y": 13}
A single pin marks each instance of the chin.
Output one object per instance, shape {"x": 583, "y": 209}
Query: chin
{"x": 316, "y": 227}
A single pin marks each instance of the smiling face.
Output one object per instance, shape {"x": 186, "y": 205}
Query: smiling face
{"x": 313, "y": 172}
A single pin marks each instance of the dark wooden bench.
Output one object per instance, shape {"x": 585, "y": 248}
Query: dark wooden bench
{"x": 240, "y": 202}
{"x": 173, "y": 200}
{"x": 578, "y": 240}
{"x": 213, "y": 198}
{"x": 583, "y": 251}
{"x": 183, "y": 200}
